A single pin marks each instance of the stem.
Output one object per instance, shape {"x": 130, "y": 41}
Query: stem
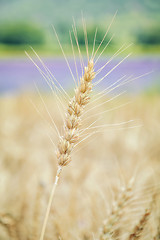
{"x": 50, "y": 203}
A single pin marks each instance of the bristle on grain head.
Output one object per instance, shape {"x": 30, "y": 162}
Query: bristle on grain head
{"x": 73, "y": 115}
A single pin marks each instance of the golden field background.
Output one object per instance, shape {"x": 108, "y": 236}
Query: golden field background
{"x": 91, "y": 184}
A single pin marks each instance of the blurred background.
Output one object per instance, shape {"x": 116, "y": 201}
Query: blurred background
{"x": 27, "y": 156}
{"x": 25, "y": 23}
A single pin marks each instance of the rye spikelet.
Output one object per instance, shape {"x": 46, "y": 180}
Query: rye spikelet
{"x": 73, "y": 115}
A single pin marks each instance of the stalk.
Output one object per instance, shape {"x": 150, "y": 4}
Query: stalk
{"x": 50, "y": 203}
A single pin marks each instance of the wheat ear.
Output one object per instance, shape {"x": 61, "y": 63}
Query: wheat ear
{"x": 71, "y": 129}
{"x": 108, "y": 228}
{"x": 139, "y": 228}
{"x": 10, "y": 224}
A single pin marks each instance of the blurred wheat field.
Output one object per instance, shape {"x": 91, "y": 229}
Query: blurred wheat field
{"x": 90, "y": 188}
